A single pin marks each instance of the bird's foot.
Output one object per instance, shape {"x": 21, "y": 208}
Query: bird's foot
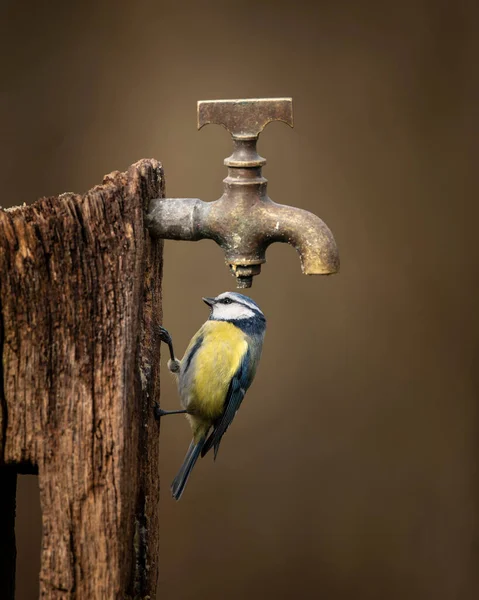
{"x": 164, "y": 335}
{"x": 159, "y": 412}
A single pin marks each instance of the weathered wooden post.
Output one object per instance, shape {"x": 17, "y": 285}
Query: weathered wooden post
{"x": 80, "y": 299}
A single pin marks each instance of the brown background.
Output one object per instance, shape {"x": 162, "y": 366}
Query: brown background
{"x": 351, "y": 469}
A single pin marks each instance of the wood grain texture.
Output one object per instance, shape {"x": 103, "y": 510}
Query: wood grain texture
{"x": 80, "y": 299}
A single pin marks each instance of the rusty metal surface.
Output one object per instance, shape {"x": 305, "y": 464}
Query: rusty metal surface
{"x": 245, "y": 221}
{"x": 245, "y": 118}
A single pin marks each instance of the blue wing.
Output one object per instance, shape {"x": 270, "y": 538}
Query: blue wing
{"x": 236, "y": 391}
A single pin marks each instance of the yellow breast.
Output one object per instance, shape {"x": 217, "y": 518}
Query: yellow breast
{"x": 217, "y": 360}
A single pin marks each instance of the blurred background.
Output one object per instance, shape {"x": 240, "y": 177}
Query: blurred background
{"x": 351, "y": 471}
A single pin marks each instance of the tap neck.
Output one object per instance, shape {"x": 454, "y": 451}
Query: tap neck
{"x": 244, "y": 168}
{"x": 245, "y": 154}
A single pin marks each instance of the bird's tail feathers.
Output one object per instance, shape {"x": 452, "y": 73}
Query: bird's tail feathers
{"x": 179, "y": 482}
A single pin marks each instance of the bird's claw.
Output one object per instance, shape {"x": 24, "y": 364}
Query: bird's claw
{"x": 158, "y": 412}
{"x": 164, "y": 335}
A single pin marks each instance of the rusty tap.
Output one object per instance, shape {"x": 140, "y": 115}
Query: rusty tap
{"x": 245, "y": 221}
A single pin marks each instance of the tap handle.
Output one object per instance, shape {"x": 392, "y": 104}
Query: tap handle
{"x": 246, "y": 118}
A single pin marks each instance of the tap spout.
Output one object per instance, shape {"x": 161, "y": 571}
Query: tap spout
{"x": 307, "y": 233}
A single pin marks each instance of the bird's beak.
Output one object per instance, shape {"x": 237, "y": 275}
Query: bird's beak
{"x": 209, "y": 301}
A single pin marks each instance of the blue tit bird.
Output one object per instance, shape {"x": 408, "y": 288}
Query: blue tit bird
{"x": 213, "y": 376}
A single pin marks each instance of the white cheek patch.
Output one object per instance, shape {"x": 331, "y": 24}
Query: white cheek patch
{"x": 232, "y": 311}
{"x": 239, "y": 311}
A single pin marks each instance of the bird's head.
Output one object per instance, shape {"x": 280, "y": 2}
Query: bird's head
{"x": 231, "y": 306}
